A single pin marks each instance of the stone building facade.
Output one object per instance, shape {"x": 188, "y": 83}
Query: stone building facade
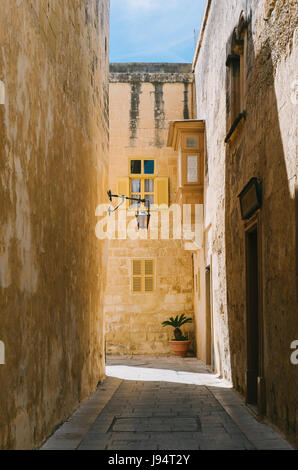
{"x": 220, "y": 133}
{"x": 245, "y": 74}
{"x": 241, "y": 284}
{"x": 53, "y": 174}
{"x": 149, "y": 277}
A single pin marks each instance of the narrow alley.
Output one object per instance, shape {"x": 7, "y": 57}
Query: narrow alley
{"x": 148, "y": 225}
{"x": 150, "y": 403}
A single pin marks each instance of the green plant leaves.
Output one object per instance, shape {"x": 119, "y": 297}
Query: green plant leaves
{"x": 178, "y": 321}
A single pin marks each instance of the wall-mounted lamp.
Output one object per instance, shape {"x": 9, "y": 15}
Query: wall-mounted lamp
{"x": 142, "y": 216}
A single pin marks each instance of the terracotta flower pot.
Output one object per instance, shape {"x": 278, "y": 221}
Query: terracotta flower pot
{"x": 180, "y": 348}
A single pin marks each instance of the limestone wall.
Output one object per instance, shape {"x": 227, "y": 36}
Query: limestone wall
{"x": 143, "y": 98}
{"x": 264, "y": 148}
{"x": 53, "y": 173}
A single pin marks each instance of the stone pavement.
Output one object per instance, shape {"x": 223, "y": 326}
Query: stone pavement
{"x": 163, "y": 404}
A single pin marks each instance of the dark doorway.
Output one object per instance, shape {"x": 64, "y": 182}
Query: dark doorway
{"x": 209, "y": 322}
{"x": 252, "y": 316}
{"x": 255, "y": 380}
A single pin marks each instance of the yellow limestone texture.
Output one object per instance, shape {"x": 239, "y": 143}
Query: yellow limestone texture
{"x": 263, "y": 146}
{"x": 143, "y": 98}
{"x": 53, "y": 174}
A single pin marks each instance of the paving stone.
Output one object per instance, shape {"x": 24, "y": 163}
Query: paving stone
{"x": 94, "y": 445}
{"x": 61, "y": 444}
{"x": 79, "y": 429}
{"x": 158, "y": 415}
{"x": 177, "y": 446}
{"x": 272, "y": 444}
{"x": 132, "y": 436}
{"x": 177, "y": 436}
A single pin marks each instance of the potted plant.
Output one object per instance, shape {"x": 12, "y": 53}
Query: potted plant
{"x": 180, "y": 344}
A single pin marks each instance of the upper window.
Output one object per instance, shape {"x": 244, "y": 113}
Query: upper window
{"x": 156, "y": 189}
{"x": 142, "y": 188}
{"x": 235, "y": 89}
{"x": 192, "y": 169}
{"x": 136, "y": 167}
{"x": 142, "y": 167}
{"x": 236, "y": 61}
{"x": 142, "y": 182}
{"x": 149, "y": 167}
{"x": 192, "y": 142}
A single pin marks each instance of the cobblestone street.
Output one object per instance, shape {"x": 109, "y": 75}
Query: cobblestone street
{"x": 163, "y": 404}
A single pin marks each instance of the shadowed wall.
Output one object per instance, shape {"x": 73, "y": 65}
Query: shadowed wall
{"x": 264, "y": 146}
{"x": 53, "y": 173}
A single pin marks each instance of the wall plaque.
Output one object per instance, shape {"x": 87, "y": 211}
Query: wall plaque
{"x": 250, "y": 198}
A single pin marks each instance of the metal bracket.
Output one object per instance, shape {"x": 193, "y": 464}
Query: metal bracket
{"x": 110, "y": 210}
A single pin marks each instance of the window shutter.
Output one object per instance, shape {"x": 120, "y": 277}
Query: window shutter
{"x": 161, "y": 195}
{"x": 148, "y": 284}
{"x": 137, "y": 284}
{"x": 148, "y": 267}
{"x": 123, "y": 189}
{"x": 142, "y": 276}
{"x": 137, "y": 267}
{"x": 137, "y": 276}
{"x": 149, "y": 275}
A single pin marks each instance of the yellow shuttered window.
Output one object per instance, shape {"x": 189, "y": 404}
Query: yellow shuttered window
{"x": 142, "y": 276}
{"x": 144, "y": 183}
{"x": 155, "y": 190}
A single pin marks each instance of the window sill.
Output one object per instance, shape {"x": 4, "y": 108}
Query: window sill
{"x": 235, "y": 126}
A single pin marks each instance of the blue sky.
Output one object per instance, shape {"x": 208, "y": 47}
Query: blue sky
{"x": 154, "y": 30}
